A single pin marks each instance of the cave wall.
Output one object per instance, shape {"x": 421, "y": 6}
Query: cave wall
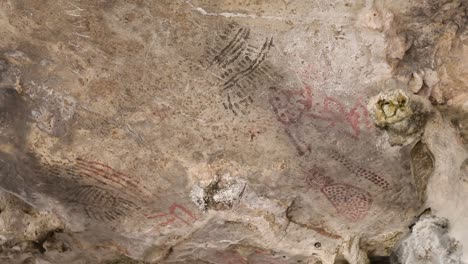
{"x": 232, "y": 131}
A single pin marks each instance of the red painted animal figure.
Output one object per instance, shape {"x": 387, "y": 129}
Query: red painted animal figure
{"x": 334, "y": 112}
{"x": 292, "y": 105}
{"x": 351, "y": 202}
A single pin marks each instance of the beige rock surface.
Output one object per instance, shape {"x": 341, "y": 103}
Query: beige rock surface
{"x": 228, "y": 131}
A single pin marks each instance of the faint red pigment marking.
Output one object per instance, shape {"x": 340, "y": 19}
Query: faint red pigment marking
{"x": 161, "y": 112}
{"x": 290, "y": 106}
{"x": 334, "y": 112}
{"x": 350, "y": 201}
{"x": 107, "y": 175}
{"x": 311, "y": 73}
{"x": 172, "y": 215}
{"x": 264, "y": 257}
{"x": 361, "y": 172}
{"x": 230, "y": 257}
{"x": 110, "y": 245}
{"x": 324, "y": 232}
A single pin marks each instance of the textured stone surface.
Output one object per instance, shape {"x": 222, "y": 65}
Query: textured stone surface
{"x": 428, "y": 243}
{"x": 232, "y": 131}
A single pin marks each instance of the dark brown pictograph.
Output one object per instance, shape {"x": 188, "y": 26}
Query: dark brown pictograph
{"x": 237, "y": 103}
{"x": 108, "y": 176}
{"x": 103, "y": 193}
{"x": 234, "y": 48}
{"x": 251, "y": 66}
{"x": 96, "y": 171}
{"x": 52, "y": 170}
{"x": 350, "y": 201}
{"x": 241, "y": 67}
{"x": 101, "y": 204}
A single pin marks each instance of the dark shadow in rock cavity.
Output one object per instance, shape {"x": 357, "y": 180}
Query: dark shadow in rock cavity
{"x": 14, "y": 117}
{"x": 422, "y": 166}
{"x": 379, "y": 260}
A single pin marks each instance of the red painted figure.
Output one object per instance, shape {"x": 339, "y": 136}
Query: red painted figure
{"x": 350, "y": 201}
{"x": 175, "y": 212}
{"x": 290, "y": 106}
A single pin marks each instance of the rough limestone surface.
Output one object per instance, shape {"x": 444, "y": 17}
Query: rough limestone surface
{"x": 233, "y": 131}
{"x": 429, "y": 243}
{"x": 435, "y": 67}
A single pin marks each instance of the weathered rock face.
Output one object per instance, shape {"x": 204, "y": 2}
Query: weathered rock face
{"x": 231, "y": 131}
{"x": 429, "y": 243}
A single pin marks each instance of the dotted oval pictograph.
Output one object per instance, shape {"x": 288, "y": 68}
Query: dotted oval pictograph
{"x": 350, "y": 201}
{"x": 361, "y": 172}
